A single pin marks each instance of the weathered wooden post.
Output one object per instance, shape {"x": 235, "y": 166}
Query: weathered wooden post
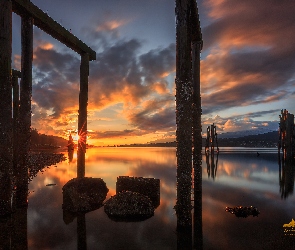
{"x": 24, "y": 124}
{"x": 5, "y": 106}
{"x": 82, "y": 118}
{"x": 184, "y": 90}
{"x": 15, "y": 86}
{"x": 197, "y": 45}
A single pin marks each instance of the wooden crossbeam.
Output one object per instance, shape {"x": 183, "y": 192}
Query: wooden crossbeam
{"x": 53, "y": 28}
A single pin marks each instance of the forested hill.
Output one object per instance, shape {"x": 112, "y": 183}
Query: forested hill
{"x": 269, "y": 139}
{"x": 46, "y": 141}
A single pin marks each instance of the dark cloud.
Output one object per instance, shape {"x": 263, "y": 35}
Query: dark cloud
{"x": 251, "y": 53}
{"x": 158, "y": 115}
{"x": 157, "y": 62}
{"x": 250, "y": 22}
{"x": 259, "y": 113}
{"x": 114, "y": 134}
{"x": 56, "y": 77}
{"x": 119, "y": 75}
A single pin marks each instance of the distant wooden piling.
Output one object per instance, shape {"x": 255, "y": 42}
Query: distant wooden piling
{"x": 82, "y": 118}
{"x": 5, "y": 105}
{"x": 286, "y": 134}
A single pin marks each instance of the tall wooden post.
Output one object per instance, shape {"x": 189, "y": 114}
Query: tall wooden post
{"x": 82, "y": 118}
{"x": 15, "y": 86}
{"x": 197, "y": 135}
{"x": 5, "y": 105}
{"x": 197, "y": 45}
{"x": 184, "y": 90}
{"x": 24, "y": 125}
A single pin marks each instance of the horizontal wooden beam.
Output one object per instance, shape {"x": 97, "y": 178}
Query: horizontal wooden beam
{"x": 53, "y": 28}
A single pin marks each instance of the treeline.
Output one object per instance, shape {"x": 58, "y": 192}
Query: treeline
{"x": 46, "y": 141}
{"x": 269, "y": 139}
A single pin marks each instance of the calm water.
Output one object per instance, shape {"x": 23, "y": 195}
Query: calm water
{"x": 240, "y": 178}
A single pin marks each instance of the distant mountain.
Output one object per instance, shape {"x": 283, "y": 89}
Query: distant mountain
{"x": 269, "y": 139}
{"x": 238, "y": 134}
{"x": 42, "y": 141}
{"x": 241, "y": 139}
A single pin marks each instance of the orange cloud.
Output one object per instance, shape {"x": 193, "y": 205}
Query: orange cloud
{"x": 111, "y": 25}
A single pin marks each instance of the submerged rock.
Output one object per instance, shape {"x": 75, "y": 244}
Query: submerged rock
{"x": 84, "y": 194}
{"x": 129, "y": 206}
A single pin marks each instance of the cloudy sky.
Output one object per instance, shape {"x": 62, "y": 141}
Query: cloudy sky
{"x": 247, "y": 67}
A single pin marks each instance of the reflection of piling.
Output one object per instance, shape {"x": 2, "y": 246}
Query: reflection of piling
{"x": 70, "y": 155}
{"x": 211, "y": 164}
{"x": 19, "y": 237}
{"x": 5, "y": 233}
{"x": 81, "y": 232}
{"x": 286, "y": 176}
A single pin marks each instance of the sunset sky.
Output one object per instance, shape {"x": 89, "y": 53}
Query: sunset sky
{"x": 247, "y": 67}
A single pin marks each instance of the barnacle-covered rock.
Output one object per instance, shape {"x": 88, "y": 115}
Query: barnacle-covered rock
{"x": 244, "y": 212}
{"x": 84, "y": 194}
{"x": 147, "y": 186}
{"x": 38, "y": 161}
{"x": 129, "y": 206}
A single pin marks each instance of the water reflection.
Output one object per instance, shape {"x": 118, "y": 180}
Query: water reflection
{"x": 70, "y": 155}
{"x": 13, "y": 233}
{"x": 211, "y": 164}
{"x": 242, "y": 179}
{"x": 286, "y": 175}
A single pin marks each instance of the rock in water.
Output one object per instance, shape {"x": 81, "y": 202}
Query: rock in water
{"x": 149, "y": 187}
{"x": 244, "y": 212}
{"x": 129, "y": 206}
{"x": 84, "y": 194}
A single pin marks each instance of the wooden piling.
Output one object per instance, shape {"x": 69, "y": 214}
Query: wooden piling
{"x": 15, "y": 86}
{"x": 82, "y": 118}
{"x": 5, "y": 105}
{"x": 24, "y": 121}
{"x": 183, "y": 83}
{"x": 197, "y": 45}
{"x": 29, "y": 13}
